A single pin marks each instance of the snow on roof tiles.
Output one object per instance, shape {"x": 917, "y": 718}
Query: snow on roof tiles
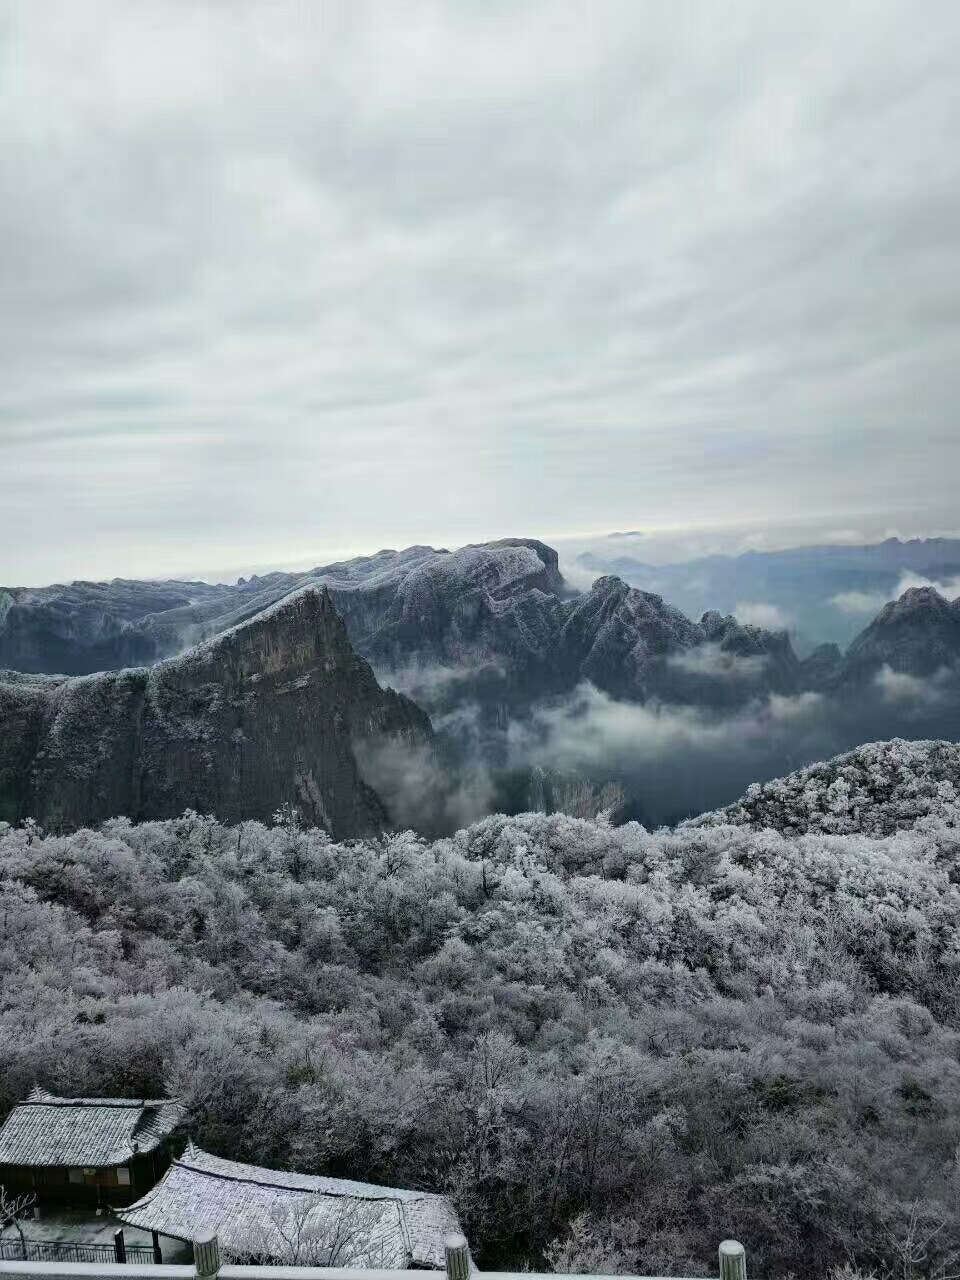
{"x": 93, "y": 1132}
{"x": 295, "y": 1217}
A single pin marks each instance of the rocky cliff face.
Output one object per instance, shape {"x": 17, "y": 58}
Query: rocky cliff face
{"x": 265, "y": 714}
{"x": 481, "y": 603}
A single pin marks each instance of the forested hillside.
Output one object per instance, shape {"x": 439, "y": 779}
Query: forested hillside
{"x": 612, "y": 1047}
{"x": 879, "y": 788}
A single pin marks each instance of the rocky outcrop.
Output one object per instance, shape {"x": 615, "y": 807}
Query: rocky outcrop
{"x": 822, "y": 669}
{"x": 621, "y": 638}
{"x": 266, "y": 714}
{"x": 498, "y": 600}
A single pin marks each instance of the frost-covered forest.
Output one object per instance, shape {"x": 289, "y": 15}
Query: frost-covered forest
{"x": 612, "y": 1047}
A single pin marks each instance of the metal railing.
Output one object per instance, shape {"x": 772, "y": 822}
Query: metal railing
{"x": 12, "y": 1250}
{"x": 15, "y": 1249}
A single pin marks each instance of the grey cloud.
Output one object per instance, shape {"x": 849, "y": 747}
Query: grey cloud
{"x": 591, "y": 730}
{"x": 676, "y": 761}
{"x": 282, "y": 280}
{"x": 431, "y": 684}
{"x": 668, "y": 762}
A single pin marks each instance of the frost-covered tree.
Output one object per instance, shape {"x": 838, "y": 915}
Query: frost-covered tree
{"x": 14, "y": 1211}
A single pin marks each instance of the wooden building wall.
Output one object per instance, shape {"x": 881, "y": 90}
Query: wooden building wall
{"x": 87, "y": 1187}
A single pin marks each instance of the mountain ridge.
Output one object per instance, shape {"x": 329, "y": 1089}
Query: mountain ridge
{"x": 502, "y": 606}
{"x": 917, "y": 634}
{"x": 502, "y": 612}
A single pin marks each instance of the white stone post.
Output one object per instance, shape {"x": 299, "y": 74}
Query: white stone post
{"x": 458, "y": 1257}
{"x": 206, "y": 1255}
{"x": 733, "y": 1260}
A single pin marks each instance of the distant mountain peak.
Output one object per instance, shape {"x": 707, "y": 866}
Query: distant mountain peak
{"x": 915, "y": 600}
{"x": 917, "y": 634}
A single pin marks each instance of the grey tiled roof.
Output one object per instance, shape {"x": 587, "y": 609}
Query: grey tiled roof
{"x": 272, "y": 1214}
{"x": 93, "y": 1132}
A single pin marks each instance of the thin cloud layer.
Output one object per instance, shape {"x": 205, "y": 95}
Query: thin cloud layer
{"x": 900, "y": 687}
{"x": 284, "y": 281}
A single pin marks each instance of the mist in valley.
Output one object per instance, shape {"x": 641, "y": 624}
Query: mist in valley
{"x": 653, "y": 763}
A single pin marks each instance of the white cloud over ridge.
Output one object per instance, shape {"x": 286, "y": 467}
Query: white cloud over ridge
{"x": 757, "y": 613}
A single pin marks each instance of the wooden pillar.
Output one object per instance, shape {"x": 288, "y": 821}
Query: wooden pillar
{"x": 119, "y": 1245}
{"x": 206, "y": 1255}
{"x": 733, "y": 1260}
{"x": 157, "y": 1255}
{"x": 458, "y": 1257}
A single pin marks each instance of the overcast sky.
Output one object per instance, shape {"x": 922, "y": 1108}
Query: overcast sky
{"x": 281, "y": 281}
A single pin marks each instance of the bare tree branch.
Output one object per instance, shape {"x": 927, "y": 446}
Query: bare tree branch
{"x": 13, "y": 1211}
